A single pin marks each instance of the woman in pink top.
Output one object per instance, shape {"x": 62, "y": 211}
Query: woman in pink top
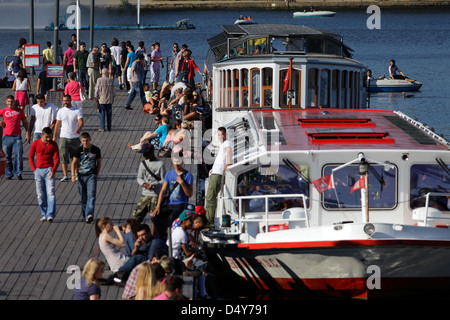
{"x": 73, "y": 89}
{"x": 21, "y": 86}
{"x": 173, "y": 289}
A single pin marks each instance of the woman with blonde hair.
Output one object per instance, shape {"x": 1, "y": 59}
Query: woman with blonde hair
{"x": 108, "y": 243}
{"x": 89, "y": 288}
{"x": 147, "y": 284}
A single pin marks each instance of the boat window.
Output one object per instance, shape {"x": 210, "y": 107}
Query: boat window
{"x": 236, "y": 88}
{"x": 325, "y": 46}
{"x": 222, "y": 88}
{"x": 314, "y": 45}
{"x": 229, "y": 89}
{"x": 332, "y": 48}
{"x": 295, "y": 85}
{"x": 258, "y": 46}
{"x": 351, "y": 89}
{"x": 324, "y": 88}
{"x": 343, "y": 94}
{"x": 312, "y": 87}
{"x": 382, "y": 191}
{"x": 272, "y": 181}
{"x": 239, "y": 50}
{"x": 267, "y": 79}
{"x": 256, "y": 87}
{"x": 334, "y": 89}
{"x": 427, "y": 178}
{"x": 244, "y": 91}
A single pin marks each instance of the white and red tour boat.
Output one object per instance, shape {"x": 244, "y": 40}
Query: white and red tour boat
{"x": 323, "y": 195}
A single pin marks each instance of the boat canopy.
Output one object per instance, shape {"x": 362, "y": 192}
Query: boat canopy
{"x": 244, "y": 40}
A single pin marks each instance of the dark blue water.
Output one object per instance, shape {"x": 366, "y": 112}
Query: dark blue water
{"x": 416, "y": 39}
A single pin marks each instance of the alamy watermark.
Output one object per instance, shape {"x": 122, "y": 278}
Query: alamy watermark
{"x": 73, "y": 281}
{"x": 374, "y": 21}
{"x": 374, "y": 280}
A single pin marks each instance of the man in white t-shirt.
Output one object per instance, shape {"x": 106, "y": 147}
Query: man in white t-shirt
{"x": 221, "y": 163}
{"x": 43, "y": 114}
{"x": 70, "y": 120}
{"x": 179, "y": 236}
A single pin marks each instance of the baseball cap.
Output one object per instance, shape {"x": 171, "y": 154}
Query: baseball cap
{"x": 184, "y": 215}
{"x": 200, "y": 210}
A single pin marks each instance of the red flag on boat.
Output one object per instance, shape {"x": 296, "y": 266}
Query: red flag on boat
{"x": 286, "y": 81}
{"x": 323, "y": 184}
{"x": 360, "y": 184}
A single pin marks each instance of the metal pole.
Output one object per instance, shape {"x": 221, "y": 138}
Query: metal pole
{"x": 91, "y": 26}
{"x": 55, "y": 40}
{"x": 138, "y": 13}
{"x": 78, "y": 17}
{"x": 32, "y": 28}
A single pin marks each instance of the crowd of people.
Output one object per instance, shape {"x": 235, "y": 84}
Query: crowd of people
{"x": 155, "y": 253}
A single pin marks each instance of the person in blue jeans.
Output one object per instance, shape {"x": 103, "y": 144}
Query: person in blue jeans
{"x": 12, "y": 116}
{"x": 178, "y": 184}
{"x": 86, "y": 166}
{"x": 137, "y": 86}
{"x": 145, "y": 248}
{"x": 47, "y": 162}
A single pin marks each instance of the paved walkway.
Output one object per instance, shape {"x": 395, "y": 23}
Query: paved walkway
{"x": 34, "y": 255}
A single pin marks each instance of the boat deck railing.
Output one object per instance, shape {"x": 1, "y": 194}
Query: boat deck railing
{"x": 424, "y": 128}
{"x": 242, "y": 220}
{"x": 427, "y": 204}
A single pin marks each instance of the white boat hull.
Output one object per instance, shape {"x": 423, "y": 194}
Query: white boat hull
{"x": 308, "y": 14}
{"x": 394, "y": 85}
{"x": 353, "y": 268}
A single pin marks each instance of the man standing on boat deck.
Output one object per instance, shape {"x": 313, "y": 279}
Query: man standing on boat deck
{"x": 223, "y": 160}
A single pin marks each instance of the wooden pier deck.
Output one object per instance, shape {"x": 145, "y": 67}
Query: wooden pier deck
{"x": 35, "y": 256}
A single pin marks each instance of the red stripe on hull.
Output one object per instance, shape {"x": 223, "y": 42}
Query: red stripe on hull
{"x": 357, "y": 287}
{"x": 342, "y": 243}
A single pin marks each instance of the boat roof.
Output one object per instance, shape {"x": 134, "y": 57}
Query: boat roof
{"x": 331, "y": 129}
{"x": 218, "y": 44}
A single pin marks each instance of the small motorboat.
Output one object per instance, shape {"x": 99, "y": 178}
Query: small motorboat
{"x": 244, "y": 21}
{"x": 307, "y": 14}
{"x": 393, "y": 85}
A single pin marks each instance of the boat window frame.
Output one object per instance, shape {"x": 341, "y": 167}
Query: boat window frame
{"x": 332, "y": 192}
{"x": 282, "y": 75}
{"x": 427, "y": 168}
{"x": 238, "y": 180}
{"x": 315, "y": 88}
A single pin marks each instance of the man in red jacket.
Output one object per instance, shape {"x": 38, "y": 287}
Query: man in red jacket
{"x": 47, "y": 162}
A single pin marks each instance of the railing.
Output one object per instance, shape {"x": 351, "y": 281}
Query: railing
{"x": 427, "y": 202}
{"x": 242, "y": 220}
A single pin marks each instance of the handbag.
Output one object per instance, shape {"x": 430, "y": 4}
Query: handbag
{"x": 82, "y": 96}
{"x": 164, "y": 152}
